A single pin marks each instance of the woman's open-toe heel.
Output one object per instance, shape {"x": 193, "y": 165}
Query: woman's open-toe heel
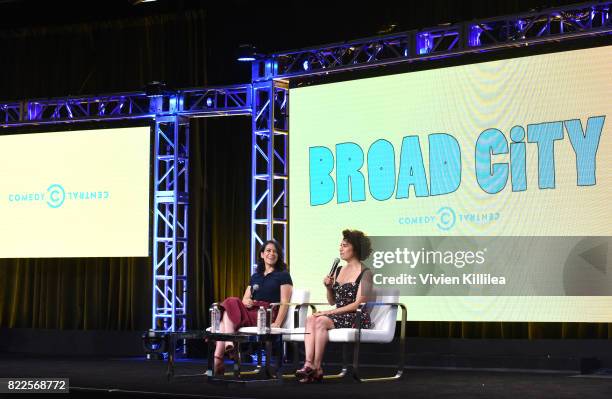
{"x": 317, "y": 376}
{"x": 314, "y": 376}
{"x": 304, "y": 373}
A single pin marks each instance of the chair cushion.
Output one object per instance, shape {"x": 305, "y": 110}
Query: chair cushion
{"x": 253, "y": 330}
{"x": 346, "y": 335}
{"x": 298, "y": 335}
{"x": 384, "y": 318}
{"x": 367, "y": 335}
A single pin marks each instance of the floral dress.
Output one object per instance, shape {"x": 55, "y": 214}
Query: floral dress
{"x": 346, "y": 294}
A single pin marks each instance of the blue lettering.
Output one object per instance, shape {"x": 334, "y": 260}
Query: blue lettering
{"x": 491, "y": 177}
{"x": 321, "y": 183}
{"x": 350, "y": 180}
{"x": 411, "y": 169}
{"x": 381, "y": 170}
{"x": 444, "y": 164}
{"x": 545, "y": 135}
{"x": 518, "y": 163}
{"x": 585, "y": 146}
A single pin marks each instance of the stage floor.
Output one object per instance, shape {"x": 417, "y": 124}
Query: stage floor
{"x": 136, "y": 377}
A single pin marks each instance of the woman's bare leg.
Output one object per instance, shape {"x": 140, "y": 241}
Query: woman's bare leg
{"x": 226, "y": 326}
{"x": 322, "y": 325}
{"x": 309, "y": 340}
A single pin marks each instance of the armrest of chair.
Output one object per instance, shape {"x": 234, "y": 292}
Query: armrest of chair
{"x": 295, "y": 314}
{"x": 311, "y": 305}
{"x": 298, "y": 306}
{"x": 359, "y": 314}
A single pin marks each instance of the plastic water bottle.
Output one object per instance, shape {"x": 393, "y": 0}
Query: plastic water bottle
{"x": 261, "y": 320}
{"x": 215, "y": 319}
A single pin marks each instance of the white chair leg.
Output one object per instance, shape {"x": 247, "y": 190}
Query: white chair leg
{"x": 402, "y": 352}
{"x": 345, "y": 365}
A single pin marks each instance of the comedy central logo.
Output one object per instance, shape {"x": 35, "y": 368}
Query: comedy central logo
{"x": 56, "y": 195}
{"x": 446, "y": 218}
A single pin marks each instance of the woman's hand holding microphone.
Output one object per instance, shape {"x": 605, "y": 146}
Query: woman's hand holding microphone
{"x": 328, "y": 281}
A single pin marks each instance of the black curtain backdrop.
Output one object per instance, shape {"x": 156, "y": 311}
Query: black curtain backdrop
{"x": 115, "y": 294}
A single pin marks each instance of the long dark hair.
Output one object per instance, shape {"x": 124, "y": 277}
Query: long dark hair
{"x": 279, "y": 266}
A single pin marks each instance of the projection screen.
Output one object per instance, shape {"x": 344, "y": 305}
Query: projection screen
{"x": 485, "y": 188}
{"x": 75, "y": 193}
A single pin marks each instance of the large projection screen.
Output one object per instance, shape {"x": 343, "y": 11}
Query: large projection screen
{"x": 511, "y": 156}
{"x": 75, "y": 193}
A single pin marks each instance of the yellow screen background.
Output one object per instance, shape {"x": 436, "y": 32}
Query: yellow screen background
{"x": 461, "y": 101}
{"x": 112, "y": 160}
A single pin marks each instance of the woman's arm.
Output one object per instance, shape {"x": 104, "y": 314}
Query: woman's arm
{"x": 328, "y": 282}
{"x": 330, "y": 296}
{"x": 285, "y": 294}
{"x": 363, "y": 295}
{"x": 246, "y": 298}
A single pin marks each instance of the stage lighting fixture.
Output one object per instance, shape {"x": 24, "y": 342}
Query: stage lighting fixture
{"x": 136, "y": 2}
{"x": 306, "y": 65}
{"x": 155, "y": 88}
{"x": 388, "y": 28}
{"x": 209, "y": 102}
{"x": 247, "y": 53}
{"x": 155, "y": 344}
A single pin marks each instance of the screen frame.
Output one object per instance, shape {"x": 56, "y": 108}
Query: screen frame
{"x": 99, "y": 126}
{"x": 468, "y": 59}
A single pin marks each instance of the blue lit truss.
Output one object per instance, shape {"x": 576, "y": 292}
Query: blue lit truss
{"x": 267, "y": 99}
{"x": 555, "y": 24}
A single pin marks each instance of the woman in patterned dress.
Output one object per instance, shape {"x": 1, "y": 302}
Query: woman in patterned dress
{"x": 346, "y": 288}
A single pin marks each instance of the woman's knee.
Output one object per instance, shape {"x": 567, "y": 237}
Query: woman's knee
{"x": 310, "y": 320}
{"x": 232, "y": 299}
{"x": 322, "y": 323}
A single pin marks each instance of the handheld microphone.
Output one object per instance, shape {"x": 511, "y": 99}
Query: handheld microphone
{"x": 334, "y": 266}
{"x": 254, "y": 288}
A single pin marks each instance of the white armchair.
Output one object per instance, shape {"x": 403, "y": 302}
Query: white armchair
{"x": 383, "y": 313}
{"x": 298, "y": 296}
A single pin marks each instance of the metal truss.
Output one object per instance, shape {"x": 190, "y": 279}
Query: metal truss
{"x": 554, "y": 24}
{"x": 171, "y": 192}
{"x": 269, "y": 184}
{"x": 197, "y": 102}
{"x": 170, "y": 229}
{"x": 215, "y": 101}
{"x": 112, "y": 107}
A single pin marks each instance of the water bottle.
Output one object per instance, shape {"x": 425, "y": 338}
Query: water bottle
{"x": 261, "y": 320}
{"x": 215, "y": 319}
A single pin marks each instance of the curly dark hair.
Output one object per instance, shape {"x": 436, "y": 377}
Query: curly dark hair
{"x": 362, "y": 246}
{"x": 280, "y": 264}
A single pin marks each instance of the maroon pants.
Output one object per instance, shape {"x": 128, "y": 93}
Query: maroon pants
{"x": 242, "y": 316}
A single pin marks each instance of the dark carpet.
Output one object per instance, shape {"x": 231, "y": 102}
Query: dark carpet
{"x": 136, "y": 377}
